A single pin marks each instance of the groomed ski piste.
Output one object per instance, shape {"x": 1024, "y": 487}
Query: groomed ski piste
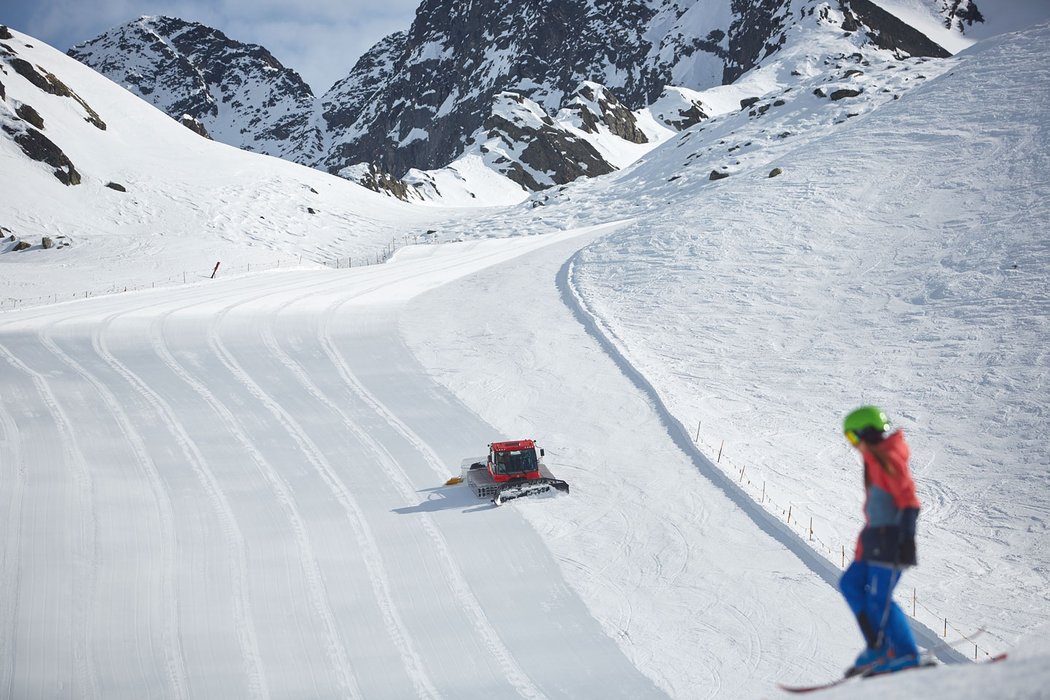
{"x": 234, "y": 487}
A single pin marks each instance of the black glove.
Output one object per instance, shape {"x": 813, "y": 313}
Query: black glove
{"x": 908, "y": 519}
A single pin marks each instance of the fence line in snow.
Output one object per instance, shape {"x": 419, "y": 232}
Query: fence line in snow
{"x": 11, "y": 303}
{"x": 803, "y": 524}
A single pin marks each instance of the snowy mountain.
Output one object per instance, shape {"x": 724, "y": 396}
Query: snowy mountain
{"x": 235, "y": 486}
{"x": 441, "y": 78}
{"x": 112, "y": 168}
{"x": 240, "y": 93}
{"x": 422, "y": 98}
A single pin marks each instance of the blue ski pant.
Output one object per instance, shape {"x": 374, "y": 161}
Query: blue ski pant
{"x": 868, "y": 589}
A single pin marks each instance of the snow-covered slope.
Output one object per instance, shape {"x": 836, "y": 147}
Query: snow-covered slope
{"x": 187, "y": 202}
{"x": 897, "y": 258}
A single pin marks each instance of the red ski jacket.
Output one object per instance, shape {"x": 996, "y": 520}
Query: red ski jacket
{"x": 890, "y": 504}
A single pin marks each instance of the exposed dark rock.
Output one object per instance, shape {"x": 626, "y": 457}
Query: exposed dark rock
{"x": 195, "y": 126}
{"x": 53, "y": 86}
{"x": 687, "y": 113}
{"x": 890, "y": 33}
{"x": 22, "y": 245}
{"x": 311, "y": 210}
{"x": 610, "y": 111}
{"x": 963, "y": 13}
{"x": 30, "y": 115}
{"x": 849, "y": 22}
{"x": 819, "y": 92}
{"x": 776, "y": 171}
{"x": 844, "y": 93}
{"x": 41, "y": 148}
{"x": 5, "y": 33}
{"x": 46, "y": 243}
{"x": 756, "y": 32}
{"x": 717, "y": 175}
{"x": 116, "y": 186}
{"x": 747, "y": 102}
{"x": 372, "y": 177}
{"x": 3, "y": 92}
{"x": 560, "y": 155}
{"x": 25, "y": 69}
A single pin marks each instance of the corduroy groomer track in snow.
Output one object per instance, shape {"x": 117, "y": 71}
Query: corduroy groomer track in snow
{"x": 234, "y": 389}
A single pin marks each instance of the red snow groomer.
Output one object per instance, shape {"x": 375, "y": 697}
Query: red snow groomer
{"x": 513, "y": 469}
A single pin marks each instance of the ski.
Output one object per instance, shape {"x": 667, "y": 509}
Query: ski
{"x": 866, "y": 672}
{"x": 861, "y": 673}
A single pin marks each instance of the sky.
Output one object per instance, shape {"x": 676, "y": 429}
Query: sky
{"x": 321, "y": 40}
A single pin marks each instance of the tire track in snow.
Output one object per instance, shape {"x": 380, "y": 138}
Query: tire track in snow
{"x": 377, "y": 571}
{"x": 334, "y": 647}
{"x": 235, "y": 542}
{"x": 13, "y": 476}
{"x": 317, "y": 584}
{"x": 84, "y": 541}
{"x": 511, "y": 671}
{"x": 469, "y": 602}
{"x": 320, "y": 464}
{"x": 172, "y": 649}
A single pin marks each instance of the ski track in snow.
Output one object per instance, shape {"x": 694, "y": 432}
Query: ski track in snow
{"x": 82, "y": 534}
{"x": 13, "y": 474}
{"x": 279, "y": 487}
{"x": 159, "y": 506}
{"x": 212, "y": 437}
{"x": 213, "y": 493}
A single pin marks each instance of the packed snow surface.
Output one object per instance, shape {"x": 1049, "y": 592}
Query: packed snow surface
{"x": 235, "y": 487}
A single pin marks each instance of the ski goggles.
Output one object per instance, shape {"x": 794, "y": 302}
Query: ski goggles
{"x": 853, "y": 438}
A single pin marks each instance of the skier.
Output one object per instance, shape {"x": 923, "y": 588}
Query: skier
{"x": 885, "y": 547}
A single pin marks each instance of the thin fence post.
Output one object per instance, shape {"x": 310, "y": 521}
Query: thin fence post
{"x": 697, "y": 432}
{"x": 741, "y": 479}
{"x": 811, "y": 528}
{"x": 914, "y": 600}
{"x": 789, "y": 514}
{"x": 763, "y": 491}
{"x": 843, "y": 556}
{"x": 945, "y": 627}
{"x": 720, "y": 452}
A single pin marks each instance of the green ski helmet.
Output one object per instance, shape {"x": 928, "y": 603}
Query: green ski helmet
{"x": 867, "y": 423}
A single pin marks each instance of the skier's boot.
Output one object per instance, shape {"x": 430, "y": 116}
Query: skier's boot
{"x": 877, "y": 649}
{"x": 891, "y": 664}
{"x": 866, "y": 661}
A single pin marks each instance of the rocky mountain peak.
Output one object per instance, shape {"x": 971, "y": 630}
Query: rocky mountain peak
{"x": 422, "y": 97}
{"x": 239, "y": 92}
